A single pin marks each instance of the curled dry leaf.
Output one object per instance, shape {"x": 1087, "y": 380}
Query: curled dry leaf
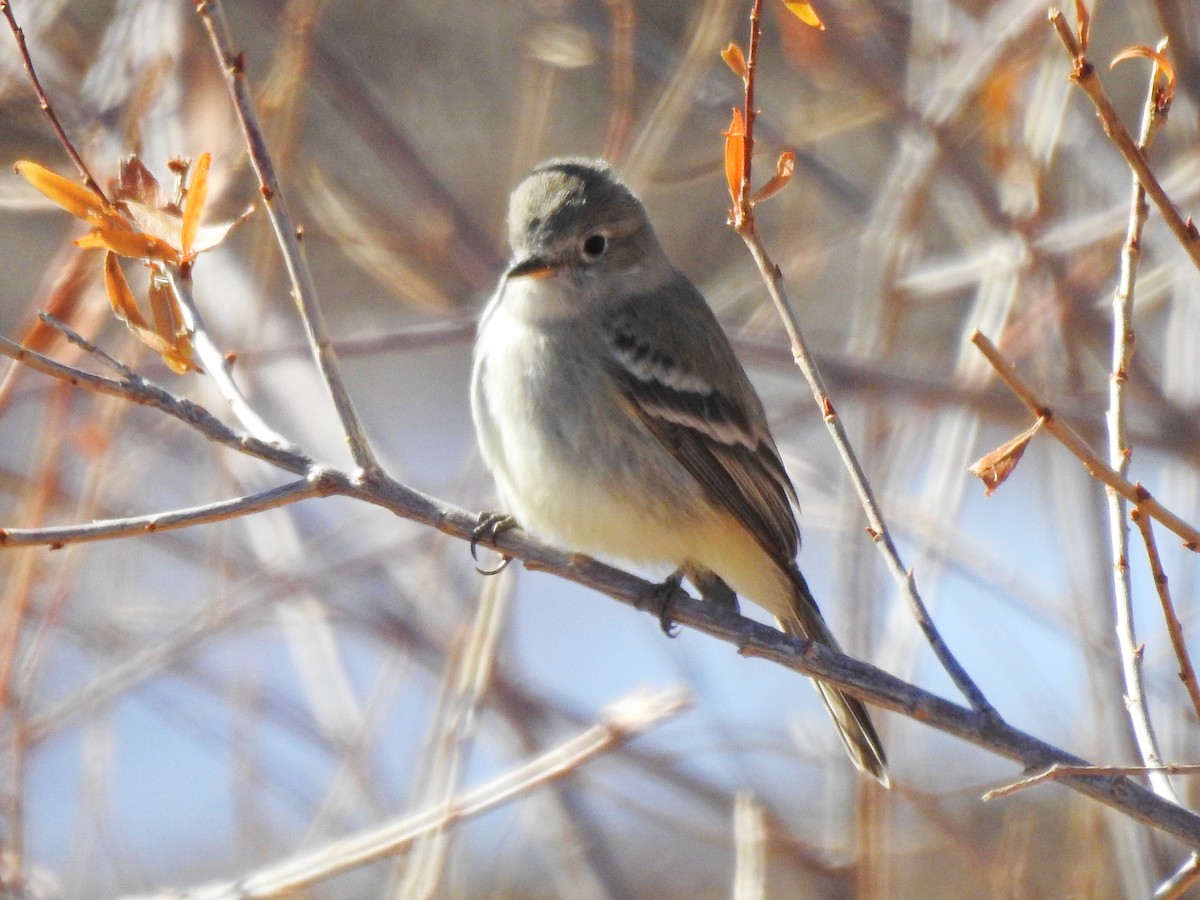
{"x": 735, "y": 59}
{"x": 784, "y": 168}
{"x": 1160, "y": 60}
{"x": 995, "y": 467}
{"x": 166, "y": 337}
{"x": 735, "y": 156}
{"x": 805, "y": 13}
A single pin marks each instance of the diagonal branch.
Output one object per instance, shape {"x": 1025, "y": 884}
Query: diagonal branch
{"x": 744, "y": 224}
{"x": 304, "y": 288}
{"x": 1084, "y": 74}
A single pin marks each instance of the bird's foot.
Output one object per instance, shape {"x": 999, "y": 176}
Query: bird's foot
{"x": 489, "y": 526}
{"x": 660, "y": 599}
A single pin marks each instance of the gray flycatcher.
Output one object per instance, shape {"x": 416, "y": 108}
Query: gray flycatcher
{"x": 617, "y": 421}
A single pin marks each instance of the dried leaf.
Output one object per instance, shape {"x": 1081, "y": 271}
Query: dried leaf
{"x": 995, "y": 467}
{"x": 735, "y": 156}
{"x": 119, "y": 294}
{"x": 805, "y": 13}
{"x": 164, "y": 310}
{"x": 784, "y": 168}
{"x": 193, "y": 203}
{"x": 79, "y": 201}
{"x": 735, "y": 59}
{"x": 1084, "y": 18}
{"x": 175, "y": 347}
{"x": 116, "y": 235}
{"x": 137, "y": 183}
{"x": 210, "y": 236}
{"x": 1160, "y": 60}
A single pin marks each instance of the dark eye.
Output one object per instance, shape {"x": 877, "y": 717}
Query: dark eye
{"x": 594, "y": 246}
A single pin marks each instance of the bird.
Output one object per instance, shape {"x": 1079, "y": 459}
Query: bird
{"x": 617, "y": 421}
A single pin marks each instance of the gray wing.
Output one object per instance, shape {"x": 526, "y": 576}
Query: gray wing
{"x": 707, "y": 416}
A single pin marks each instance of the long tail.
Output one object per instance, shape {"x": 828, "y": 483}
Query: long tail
{"x": 853, "y": 723}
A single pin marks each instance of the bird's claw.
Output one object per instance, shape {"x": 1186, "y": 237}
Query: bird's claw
{"x": 660, "y": 598}
{"x": 490, "y": 525}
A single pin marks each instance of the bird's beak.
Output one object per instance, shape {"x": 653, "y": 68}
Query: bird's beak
{"x": 533, "y": 267}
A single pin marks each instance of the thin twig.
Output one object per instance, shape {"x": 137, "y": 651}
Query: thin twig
{"x": 44, "y": 101}
{"x": 1187, "y": 672}
{"x": 59, "y": 535}
{"x": 146, "y": 393}
{"x": 745, "y": 225}
{"x": 1119, "y": 452}
{"x": 1061, "y": 771}
{"x": 619, "y": 723}
{"x": 1069, "y": 438}
{"x": 1084, "y": 74}
{"x": 215, "y": 364}
{"x": 304, "y": 290}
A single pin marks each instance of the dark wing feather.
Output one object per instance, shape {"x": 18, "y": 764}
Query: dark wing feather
{"x": 720, "y": 442}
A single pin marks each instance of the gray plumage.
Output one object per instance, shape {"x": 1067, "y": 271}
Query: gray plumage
{"x": 618, "y": 422}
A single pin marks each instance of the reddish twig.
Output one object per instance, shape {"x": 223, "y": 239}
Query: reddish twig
{"x": 44, "y": 101}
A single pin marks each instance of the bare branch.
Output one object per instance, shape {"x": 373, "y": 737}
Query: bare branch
{"x": 304, "y": 289}
{"x": 1069, "y": 438}
{"x": 744, "y": 224}
{"x": 59, "y": 535}
{"x": 1084, "y": 74}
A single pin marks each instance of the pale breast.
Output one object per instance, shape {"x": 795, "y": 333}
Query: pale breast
{"x": 570, "y": 462}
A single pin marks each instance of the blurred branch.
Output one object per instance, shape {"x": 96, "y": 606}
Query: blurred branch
{"x": 620, "y": 722}
{"x": 1154, "y": 116}
{"x": 1069, "y": 438}
{"x": 304, "y": 289}
{"x": 743, "y": 221}
{"x": 1181, "y": 881}
{"x": 750, "y": 848}
{"x": 1083, "y": 73}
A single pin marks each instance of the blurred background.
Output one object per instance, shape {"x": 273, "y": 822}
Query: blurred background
{"x": 187, "y": 707}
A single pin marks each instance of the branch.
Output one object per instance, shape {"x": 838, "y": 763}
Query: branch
{"x": 1187, "y": 672}
{"x": 214, "y": 363}
{"x": 1119, "y": 452}
{"x": 58, "y": 536}
{"x": 1083, "y": 73}
{"x": 753, "y": 639}
{"x": 304, "y": 289}
{"x": 744, "y": 224}
{"x": 138, "y": 390}
{"x": 1058, "y": 772}
{"x": 1069, "y": 438}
